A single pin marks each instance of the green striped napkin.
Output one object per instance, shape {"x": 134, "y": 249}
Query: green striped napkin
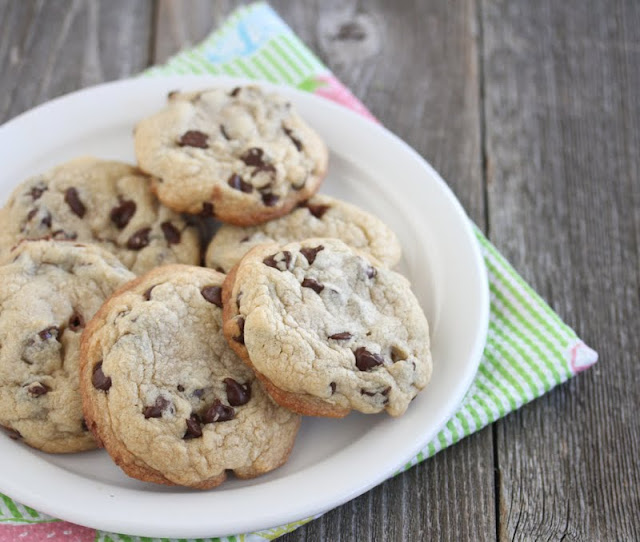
{"x": 529, "y": 349}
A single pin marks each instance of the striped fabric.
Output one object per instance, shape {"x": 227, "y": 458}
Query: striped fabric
{"x": 529, "y": 349}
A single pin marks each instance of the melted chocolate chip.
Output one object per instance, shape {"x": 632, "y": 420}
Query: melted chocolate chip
{"x": 371, "y": 272}
{"x": 333, "y": 387}
{"x": 213, "y": 294}
{"x": 311, "y": 253}
{"x": 32, "y": 213}
{"x": 234, "y": 92}
{"x": 313, "y": 284}
{"x": 253, "y": 157}
{"x": 46, "y": 221}
{"x": 139, "y": 239}
{"x": 245, "y": 239}
{"x": 171, "y": 233}
{"x": 269, "y": 199}
{"x": 344, "y": 336}
{"x": 194, "y": 430}
{"x": 36, "y": 389}
{"x": 194, "y": 138}
{"x": 76, "y": 321}
{"x": 147, "y": 294}
{"x": 365, "y": 360}
{"x": 207, "y": 209}
{"x": 240, "y": 323}
{"x": 317, "y": 210}
{"x": 155, "y": 410}
{"x": 237, "y": 182}
{"x": 72, "y": 199}
{"x": 99, "y": 380}
{"x": 218, "y": 412}
{"x": 237, "y": 394}
{"x": 180, "y": 387}
{"x": 271, "y": 261}
{"x": 224, "y": 133}
{"x": 37, "y": 191}
{"x": 122, "y": 213}
{"x": 293, "y": 138}
{"x": 13, "y": 434}
{"x": 49, "y": 333}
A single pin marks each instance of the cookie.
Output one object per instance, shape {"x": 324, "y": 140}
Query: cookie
{"x": 164, "y": 393}
{"x": 320, "y": 216}
{"x": 106, "y": 203}
{"x": 243, "y": 155}
{"x": 47, "y": 294}
{"x": 327, "y": 328}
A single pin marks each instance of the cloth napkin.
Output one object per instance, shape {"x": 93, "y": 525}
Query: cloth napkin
{"x": 529, "y": 348}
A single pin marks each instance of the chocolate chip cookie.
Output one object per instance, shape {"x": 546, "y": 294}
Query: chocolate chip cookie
{"x": 327, "y": 329}
{"x": 320, "y": 216}
{"x": 164, "y": 393}
{"x": 47, "y": 294}
{"x": 243, "y": 155}
{"x": 102, "y": 202}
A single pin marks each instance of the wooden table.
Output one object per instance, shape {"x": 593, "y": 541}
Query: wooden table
{"x": 531, "y": 111}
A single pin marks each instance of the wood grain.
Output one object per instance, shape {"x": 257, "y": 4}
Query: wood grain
{"x": 48, "y": 48}
{"x": 562, "y": 123}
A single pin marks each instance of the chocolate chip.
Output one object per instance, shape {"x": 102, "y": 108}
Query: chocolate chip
{"x": 368, "y": 393}
{"x": 317, "y": 210}
{"x": 240, "y": 323}
{"x": 139, "y": 239}
{"x": 397, "y": 354}
{"x": 271, "y": 261}
{"x": 386, "y": 391}
{"x": 180, "y": 387}
{"x": 147, "y": 294}
{"x": 234, "y": 92}
{"x": 194, "y": 138}
{"x": 72, "y": 199}
{"x": 365, "y": 360}
{"x": 76, "y": 321}
{"x": 224, "y": 133}
{"x": 245, "y": 239}
{"x": 207, "y": 209}
{"x": 269, "y": 199}
{"x": 36, "y": 389}
{"x": 194, "y": 430}
{"x": 155, "y": 411}
{"x": 332, "y": 385}
{"x": 37, "y": 191}
{"x": 235, "y": 181}
{"x": 311, "y": 253}
{"x": 121, "y": 214}
{"x": 293, "y": 138}
{"x": 171, "y": 233}
{"x": 218, "y": 412}
{"x": 46, "y": 221}
{"x": 13, "y": 434}
{"x": 313, "y": 284}
{"x": 219, "y": 269}
{"x": 344, "y": 336}
{"x": 213, "y": 294}
{"x": 32, "y": 213}
{"x": 237, "y": 394}
{"x": 265, "y": 168}
{"x": 198, "y": 393}
{"x": 253, "y": 157}
{"x": 49, "y": 333}
{"x": 99, "y": 380}
{"x": 371, "y": 272}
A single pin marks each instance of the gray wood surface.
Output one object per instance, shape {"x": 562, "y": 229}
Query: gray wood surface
{"x": 531, "y": 111}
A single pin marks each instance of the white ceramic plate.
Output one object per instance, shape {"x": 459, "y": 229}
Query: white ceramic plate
{"x": 333, "y": 461}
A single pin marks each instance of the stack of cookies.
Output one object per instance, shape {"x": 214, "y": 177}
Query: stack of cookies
{"x": 112, "y": 334}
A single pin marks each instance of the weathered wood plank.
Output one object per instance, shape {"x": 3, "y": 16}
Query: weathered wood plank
{"x": 563, "y": 141}
{"x": 53, "y": 47}
{"x": 415, "y": 66}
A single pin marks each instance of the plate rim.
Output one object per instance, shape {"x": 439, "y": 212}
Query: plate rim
{"x": 58, "y": 509}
